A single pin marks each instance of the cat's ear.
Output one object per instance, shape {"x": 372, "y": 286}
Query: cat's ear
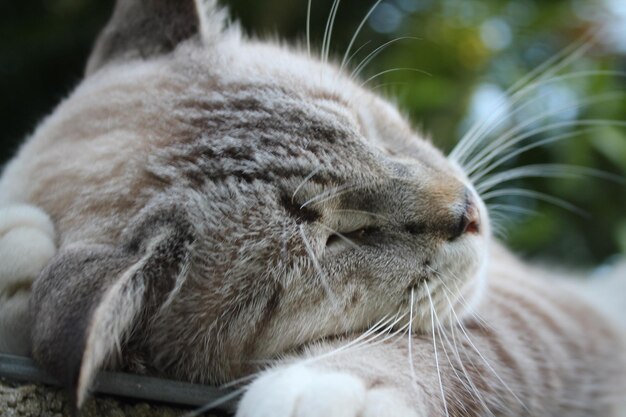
{"x": 90, "y": 298}
{"x": 144, "y": 28}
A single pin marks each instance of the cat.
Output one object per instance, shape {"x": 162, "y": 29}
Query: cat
{"x": 204, "y": 204}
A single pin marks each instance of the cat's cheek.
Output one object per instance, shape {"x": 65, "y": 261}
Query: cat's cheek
{"x": 303, "y": 391}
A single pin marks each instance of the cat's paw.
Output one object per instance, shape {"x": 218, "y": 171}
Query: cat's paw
{"x": 26, "y": 246}
{"x": 302, "y": 391}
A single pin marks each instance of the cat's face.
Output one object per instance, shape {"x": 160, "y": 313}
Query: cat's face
{"x": 317, "y": 211}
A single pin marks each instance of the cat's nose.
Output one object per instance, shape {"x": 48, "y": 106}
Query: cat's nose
{"x": 469, "y": 219}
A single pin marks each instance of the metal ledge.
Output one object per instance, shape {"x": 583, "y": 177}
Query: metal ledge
{"x": 16, "y": 368}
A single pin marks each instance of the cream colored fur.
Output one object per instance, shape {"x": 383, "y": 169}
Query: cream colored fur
{"x": 220, "y": 203}
{"x": 27, "y": 243}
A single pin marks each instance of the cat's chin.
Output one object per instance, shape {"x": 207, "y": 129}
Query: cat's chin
{"x": 461, "y": 275}
{"x": 472, "y": 293}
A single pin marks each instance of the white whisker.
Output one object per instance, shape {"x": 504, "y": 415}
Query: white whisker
{"x": 357, "y": 51}
{"x": 544, "y": 171}
{"x": 340, "y": 235}
{"x": 410, "y": 342}
{"x": 432, "y": 320}
{"x": 318, "y": 268}
{"x": 442, "y": 334}
{"x": 308, "y": 28}
{"x": 356, "y": 33}
{"x": 364, "y": 339}
{"x": 330, "y": 23}
{"x": 328, "y": 194}
{"x": 521, "y": 192}
{"x": 515, "y": 92}
{"x": 238, "y": 381}
{"x": 458, "y": 294}
{"x": 474, "y": 389}
{"x": 304, "y": 181}
{"x": 368, "y": 213}
{"x": 496, "y": 118}
{"x": 394, "y": 70}
{"x": 510, "y": 208}
{"x": 511, "y": 137}
{"x": 391, "y": 83}
{"x": 374, "y": 54}
{"x": 476, "y": 177}
{"x": 488, "y": 365}
{"x": 214, "y": 404}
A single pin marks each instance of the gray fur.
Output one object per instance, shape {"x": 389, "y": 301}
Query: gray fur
{"x": 73, "y": 287}
{"x": 225, "y": 202}
{"x": 143, "y": 28}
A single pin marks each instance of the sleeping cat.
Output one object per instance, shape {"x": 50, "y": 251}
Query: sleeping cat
{"x": 204, "y": 205}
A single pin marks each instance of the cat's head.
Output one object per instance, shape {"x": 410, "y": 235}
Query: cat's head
{"x": 287, "y": 204}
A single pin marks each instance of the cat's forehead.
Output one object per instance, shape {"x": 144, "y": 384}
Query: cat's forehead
{"x": 243, "y": 76}
{"x": 272, "y": 72}
{"x": 262, "y": 98}
{"x": 292, "y": 68}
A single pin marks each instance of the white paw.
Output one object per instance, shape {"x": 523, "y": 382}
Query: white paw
{"x": 301, "y": 391}
{"x": 26, "y": 244}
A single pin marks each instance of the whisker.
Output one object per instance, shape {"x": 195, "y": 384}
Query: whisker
{"x": 496, "y": 118}
{"x": 328, "y": 194}
{"x": 330, "y": 23}
{"x": 512, "y": 137}
{"x": 305, "y": 180}
{"x": 214, "y": 404}
{"x": 394, "y": 70}
{"x": 504, "y": 384}
{"x": 318, "y": 268}
{"x": 510, "y": 208}
{"x": 357, "y": 51}
{"x": 344, "y": 61}
{"x": 386, "y": 323}
{"x": 476, "y": 177}
{"x": 410, "y": 342}
{"x": 391, "y": 83}
{"x": 308, "y": 28}
{"x": 368, "y": 213}
{"x": 441, "y": 333}
{"x": 547, "y": 171}
{"x": 238, "y": 381}
{"x": 458, "y": 294}
{"x": 497, "y": 227}
{"x": 521, "y": 192}
{"x": 458, "y": 356}
{"x": 340, "y": 235}
{"x": 517, "y": 90}
{"x": 432, "y": 320}
{"x": 551, "y": 66}
{"x": 355, "y": 73}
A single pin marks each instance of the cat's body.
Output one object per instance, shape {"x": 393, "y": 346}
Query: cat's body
{"x": 219, "y": 202}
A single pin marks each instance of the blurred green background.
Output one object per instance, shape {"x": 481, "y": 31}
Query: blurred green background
{"x": 474, "y": 50}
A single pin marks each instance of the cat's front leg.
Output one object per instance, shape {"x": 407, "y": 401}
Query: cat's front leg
{"x": 306, "y": 390}
{"x": 344, "y": 378}
{"x": 27, "y": 243}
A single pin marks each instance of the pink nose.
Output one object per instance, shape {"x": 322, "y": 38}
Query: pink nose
{"x": 470, "y": 220}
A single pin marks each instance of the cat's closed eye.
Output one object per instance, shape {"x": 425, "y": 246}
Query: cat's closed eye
{"x": 351, "y": 237}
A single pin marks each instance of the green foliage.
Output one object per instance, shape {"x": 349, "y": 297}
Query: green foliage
{"x": 471, "y": 49}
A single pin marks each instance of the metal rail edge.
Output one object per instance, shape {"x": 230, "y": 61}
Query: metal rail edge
{"x": 22, "y": 369}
